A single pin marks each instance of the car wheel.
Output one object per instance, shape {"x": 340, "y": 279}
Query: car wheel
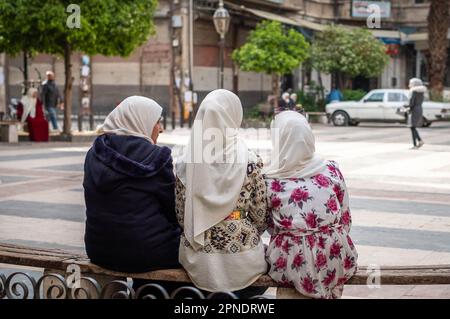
{"x": 340, "y": 118}
{"x": 426, "y": 123}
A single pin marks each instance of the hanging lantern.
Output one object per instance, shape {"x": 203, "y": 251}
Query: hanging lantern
{"x": 221, "y": 20}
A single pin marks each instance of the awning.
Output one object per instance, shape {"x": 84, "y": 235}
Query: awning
{"x": 415, "y": 37}
{"x": 297, "y": 20}
{"x": 264, "y": 14}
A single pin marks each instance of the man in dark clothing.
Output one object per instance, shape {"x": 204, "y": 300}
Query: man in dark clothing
{"x": 51, "y": 98}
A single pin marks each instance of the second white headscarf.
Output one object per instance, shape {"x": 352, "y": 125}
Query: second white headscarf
{"x": 136, "y": 115}
{"x": 212, "y": 185}
{"x": 293, "y": 153}
{"x": 29, "y": 104}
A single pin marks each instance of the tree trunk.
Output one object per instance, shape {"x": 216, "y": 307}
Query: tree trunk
{"x": 67, "y": 90}
{"x": 3, "y": 96}
{"x": 438, "y": 23}
{"x": 340, "y": 81}
{"x": 276, "y": 88}
{"x": 25, "y": 72}
{"x": 321, "y": 92}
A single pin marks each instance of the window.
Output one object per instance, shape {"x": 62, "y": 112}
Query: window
{"x": 397, "y": 97}
{"x": 376, "y": 97}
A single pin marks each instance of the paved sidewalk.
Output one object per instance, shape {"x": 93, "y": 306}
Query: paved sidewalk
{"x": 400, "y": 198}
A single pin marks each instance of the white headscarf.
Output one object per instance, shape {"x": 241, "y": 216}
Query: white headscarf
{"x": 416, "y": 84}
{"x": 29, "y": 104}
{"x": 136, "y": 115}
{"x": 213, "y": 184}
{"x": 293, "y": 153}
{"x": 294, "y": 97}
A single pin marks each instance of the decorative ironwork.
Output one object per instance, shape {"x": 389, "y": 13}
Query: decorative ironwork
{"x": 15, "y": 289}
{"x": 77, "y": 292}
{"x": 222, "y": 295}
{"x": 2, "y": 286}
{"x": 21, "y": 285}
{"x": 142, "y": 292}
{"x": 188, "y": 293}
{"x": 50, "y": 289}
{"x": 118, "y": 289}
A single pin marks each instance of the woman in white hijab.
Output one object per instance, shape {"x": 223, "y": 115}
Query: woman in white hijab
{"x": 221, "y": 201}
{"x": 285, "y": 103}
{"x": 29, "y": 104}
{"x": 129, "y": 188}
{"x": 33, "y": 114}
{"x": 135, "y": 116}
{"x": 308, "y": 202}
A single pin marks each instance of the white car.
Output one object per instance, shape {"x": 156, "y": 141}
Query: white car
{"x": 383, "y": 105}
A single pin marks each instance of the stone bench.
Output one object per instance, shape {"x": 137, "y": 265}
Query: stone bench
{"x": 56, "y": 262}
{"x": 8, "y": 132}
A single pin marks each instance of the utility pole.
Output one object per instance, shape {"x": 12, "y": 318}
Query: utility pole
{"x": 181, "y": 81}
{"x": 3, "y": 84}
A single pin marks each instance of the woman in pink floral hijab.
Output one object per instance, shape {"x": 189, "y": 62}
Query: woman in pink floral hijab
{"x": 310, "y": 247}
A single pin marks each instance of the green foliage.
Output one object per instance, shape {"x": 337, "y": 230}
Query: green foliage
{"x": 108, "y": 27}
{"x": 308, "y": 101}
{"x": 252, "y": 112}
{"x": 311, "y": 100}
{"x": 353, "y": 95}
{"x": 272, "y": 49}
{"x": 356, "y": 52}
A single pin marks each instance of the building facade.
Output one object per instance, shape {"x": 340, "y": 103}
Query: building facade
{"x": 183, "y": 56}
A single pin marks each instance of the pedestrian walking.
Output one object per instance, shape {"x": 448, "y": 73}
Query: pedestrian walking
{"x": 415, "y": 111}
{"x": 51, "y": 98}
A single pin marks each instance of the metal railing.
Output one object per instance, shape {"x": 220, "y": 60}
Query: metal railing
{"x": 22, "y": 285}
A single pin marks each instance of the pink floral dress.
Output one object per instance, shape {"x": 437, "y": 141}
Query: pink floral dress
{"x": 310, "y": 247}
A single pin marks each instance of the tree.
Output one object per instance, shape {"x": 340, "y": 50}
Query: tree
{"x": 348, "y": 53}
{"x": 107, "y": 27}
{"x": 438, "y": 23}
{"x": 272, "y": 49}
{"x": 16, "y": 35}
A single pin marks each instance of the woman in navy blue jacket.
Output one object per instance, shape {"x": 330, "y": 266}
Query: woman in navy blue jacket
{"x": 129, "y": 185}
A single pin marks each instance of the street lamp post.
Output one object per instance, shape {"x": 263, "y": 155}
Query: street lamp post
{"x": 221, "y": 19}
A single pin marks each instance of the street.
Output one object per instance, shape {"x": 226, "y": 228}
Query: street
{"x": 399, "y": 198}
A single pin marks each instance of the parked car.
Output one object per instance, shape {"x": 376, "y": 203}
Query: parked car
{"x": 383, "y": 105}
